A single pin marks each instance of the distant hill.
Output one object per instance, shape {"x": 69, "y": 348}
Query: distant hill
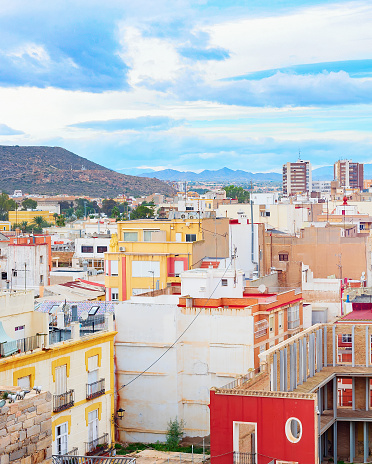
{"x": 54, "y": 170}
{"x": 220, "y": 175}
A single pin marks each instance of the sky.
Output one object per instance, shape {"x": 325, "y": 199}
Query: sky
{"x": 188, "y": 84}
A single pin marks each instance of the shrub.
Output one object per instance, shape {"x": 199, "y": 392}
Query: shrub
{"x": 175, "y": 432}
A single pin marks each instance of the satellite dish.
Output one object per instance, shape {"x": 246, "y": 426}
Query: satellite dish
{"x": 84, "y": 315}
{"x": 2, "y": 403}
{"x": 262, "y": 288}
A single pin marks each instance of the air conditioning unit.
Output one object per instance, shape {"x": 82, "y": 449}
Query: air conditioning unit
{"x": 121, "y": 248}
{"x": 191, "y": 216}
{"x": 183, "y": 216}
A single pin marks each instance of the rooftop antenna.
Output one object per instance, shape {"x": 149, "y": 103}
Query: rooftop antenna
{"x": 299, "y": 154}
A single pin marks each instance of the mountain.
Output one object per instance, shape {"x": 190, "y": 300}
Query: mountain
{"x": 220, "y": 175}
{"x": 54, "y": 170}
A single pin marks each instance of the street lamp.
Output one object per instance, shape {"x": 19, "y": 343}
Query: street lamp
{"x": 153, "y": 281}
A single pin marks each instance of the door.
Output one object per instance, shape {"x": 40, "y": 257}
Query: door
{"x": 62, "y": 438}
{"x": 93, "y": 428}
{"x": 178, "y": 237}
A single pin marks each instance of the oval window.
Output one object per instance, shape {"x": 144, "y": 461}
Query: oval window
{"x": 293, "y": 430}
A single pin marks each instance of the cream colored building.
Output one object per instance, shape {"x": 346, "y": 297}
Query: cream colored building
{"x": 79, "y": 372}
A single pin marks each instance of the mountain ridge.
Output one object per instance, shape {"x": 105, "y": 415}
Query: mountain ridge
{"x": 55, "y": 170}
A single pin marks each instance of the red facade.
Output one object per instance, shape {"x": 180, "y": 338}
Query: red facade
{"x": 270, "y": 415}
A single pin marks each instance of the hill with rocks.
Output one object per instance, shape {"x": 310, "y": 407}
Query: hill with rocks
{"x": 54, "y": 171}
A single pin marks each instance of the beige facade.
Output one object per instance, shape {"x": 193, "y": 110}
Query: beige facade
{"x": 78, "y": 372}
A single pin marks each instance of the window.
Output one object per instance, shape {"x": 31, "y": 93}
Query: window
{"x": 93, "y": 425}
{"x": 115, "y": 294}
{"x": 130, "y": 237}
{"x": 62, "y": 438}
{"x": 146, "y": 269}
{"x": 147, "y": 235}
{"x": 14, "y": 271}
{"x": 86, "y": 249}
{"x": 93, "y": 369}
{"x": 4, "y": 276}
{"x": 260, "y": 328}
{"x": 262, "y": 348}
{"x": 224, "y": 282}
{"x": 114, "y": 268}
{"x": 93, "y": 310}
{"x": 61, "y": 379}
{"x": 271, "y": 324}
{"x": 283, "y": 256}
{"x": 179, "y": 266}
{"x": 41, "y": 279}
{"x": 190, "y": 237}
{"x": 41, "y": 259}
{"x": 293, "y": 316}
{"x": 362, "y": 226}
{"x": 347, "y": 338}
{"x": 189, "y": 208}
{"x": 101, "y": 249}
{"x": 280, "y": 320}
{"x": 24, "y": 382}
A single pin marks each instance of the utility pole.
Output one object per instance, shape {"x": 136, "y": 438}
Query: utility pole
{"x": 153, "y": 281}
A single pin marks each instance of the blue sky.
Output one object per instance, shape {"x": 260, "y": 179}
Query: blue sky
{"x": 188, "y": 85}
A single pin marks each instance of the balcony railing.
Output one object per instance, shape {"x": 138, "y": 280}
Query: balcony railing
{"x": 95, "y": 389}
{"x": 19, "y": 346}
{"x": 97, "y": 445}
{"x": 73, "y": 452}
{"x": 63, "y": 401}
{"x": 244, "y": 458}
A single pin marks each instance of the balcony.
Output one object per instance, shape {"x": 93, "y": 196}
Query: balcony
{"x": 63, "y": 401}
{"x": 95, "y": 446}
{"x": 95, "y": 389}
{"x": 19, "y": 346}
{"x": 244, "y": 458}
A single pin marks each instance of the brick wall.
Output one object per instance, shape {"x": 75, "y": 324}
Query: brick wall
{"x": 26, "y": 430}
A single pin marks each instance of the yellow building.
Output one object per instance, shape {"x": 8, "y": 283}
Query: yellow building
{"x": 4, "y": 226}
{"x": 79, "y": 372}
{"x": 149, "y": 254}
{"x": 19, "y": 216}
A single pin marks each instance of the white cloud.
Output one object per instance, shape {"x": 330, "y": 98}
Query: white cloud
{"x": 319, "y": 34}
{"x": 149, "y": 58}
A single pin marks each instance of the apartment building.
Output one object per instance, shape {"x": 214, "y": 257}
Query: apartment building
{"x": 231, "y": 329}
{"x": 317, "y": 386}
{"x": 91, "y": 250}
{"x": 25, "y": 262}
{"x": 19, "y": 216}
{"x": 149, "y": 254}
{"x": 349, "y": 175}
{"x": 297, "y": 178}
{"x": 70, "y": 353}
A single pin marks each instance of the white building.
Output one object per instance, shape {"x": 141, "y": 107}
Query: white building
{"x": 27, "y": 263}
{"x": 92, "y": 250}
{"x": 213, "y": 351}
{"x": 270, "y": 198}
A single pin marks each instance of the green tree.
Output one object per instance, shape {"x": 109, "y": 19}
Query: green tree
{"x": 115, "y": 213}
{"x": 232, "y": 191}
{"x": 175, "y": 432}
{"x": 61, "y": 221}
{"x": 29, "y": 203}
{"x": 6, "y": 205}
{"x": 39, "y": 223}
{"x": 142, "y": 212}
{"x": 108, "y": 206}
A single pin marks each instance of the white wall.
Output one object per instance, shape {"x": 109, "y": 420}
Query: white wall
{"x": 215, "y": 349}
{"x": 240, "y": 236}
{"x": 206, "y": 283}
{"x": 91, "y": 241}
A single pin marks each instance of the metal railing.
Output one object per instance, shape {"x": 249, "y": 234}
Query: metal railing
{"x": 241, "y": 380}
{"x": 19, "y": 346}
{"x": 98, "y": 444}
{"x": 59, "y": 335}
{"x": 63, "y": 401}
{"x": 244, "y": 458}
{"x": 73, "y": 452}
{"x": 68, "y": 459}
{"x": 95, "y": 389}
{"x": 92, "y": 324}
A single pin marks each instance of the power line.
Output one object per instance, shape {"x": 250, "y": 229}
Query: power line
{"x": 177, "y": 339}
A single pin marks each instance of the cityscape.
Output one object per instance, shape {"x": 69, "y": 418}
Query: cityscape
{"x": 185, "y": 232}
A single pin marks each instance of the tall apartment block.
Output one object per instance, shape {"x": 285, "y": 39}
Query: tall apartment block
{"x": 349, "y": 174}
{"x": 297, "y": 178}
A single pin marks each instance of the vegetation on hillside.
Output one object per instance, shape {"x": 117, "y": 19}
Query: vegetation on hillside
{"x": 232, "y": 191}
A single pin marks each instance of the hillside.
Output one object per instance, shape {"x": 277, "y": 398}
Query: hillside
{"x": 54, "y": 170}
